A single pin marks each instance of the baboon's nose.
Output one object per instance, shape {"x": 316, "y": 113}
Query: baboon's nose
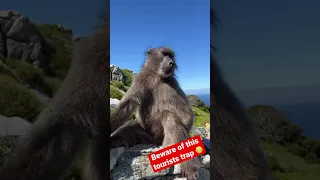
{"x": 171, "y": 63}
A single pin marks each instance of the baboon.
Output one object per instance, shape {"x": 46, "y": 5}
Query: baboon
{"x": 75, "y": 123}
{"x": 163, "y": 109}
{"x": 235, "y": 150}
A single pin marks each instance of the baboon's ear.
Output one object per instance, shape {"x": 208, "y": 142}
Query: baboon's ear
{"x": 149, "y": 50}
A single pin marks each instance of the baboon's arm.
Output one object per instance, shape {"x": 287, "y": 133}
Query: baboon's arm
{"x": 127, "y": 106}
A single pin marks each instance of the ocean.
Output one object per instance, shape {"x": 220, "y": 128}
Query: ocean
{"x": 205, "y": 98}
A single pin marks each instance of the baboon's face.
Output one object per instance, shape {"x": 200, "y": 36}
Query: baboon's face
{"x": 162, "y": 61}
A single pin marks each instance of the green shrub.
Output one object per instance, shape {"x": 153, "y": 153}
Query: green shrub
{"x": 312, "y": 158}
{"x": 25, "y": 71}
{"x": 47, "y": 30}
{"x": 16, "y": 100}
{"x": 5, "y": 148}
{"x": 296, "y": 149}
{"x": 274, "y": 164}
{"x": 118, "y": 84}
{"x": 61, "y": 60}
{"x": 126, "y": 88}
{"x": 205, "y": 108}
{"x": 310, "y": 144}
{"x": 30, "y": 75}
{"x": 115, "y": 93}
{"x": 280, "y": 176}
{"x": 53, "y": 84}
{"x": 129, "y": 75}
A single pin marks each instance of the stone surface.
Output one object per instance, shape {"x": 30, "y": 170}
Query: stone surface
{"x": 13, "y": 126}
{"x": 134, "y": 164}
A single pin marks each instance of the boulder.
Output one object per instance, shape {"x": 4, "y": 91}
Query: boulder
{"x": 116, "y": 74}
{"x": 13, "y": 126}
{"x": 21, "y": 40}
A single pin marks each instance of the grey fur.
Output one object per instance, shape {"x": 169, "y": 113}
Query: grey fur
{"x": 162, "y": 107}
{"x": 74, "y": 122}
{"x": 235, "y": 150}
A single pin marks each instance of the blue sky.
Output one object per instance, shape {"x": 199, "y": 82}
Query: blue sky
{"x": 136, "y": 26}
{"x": 80, "y": 16}
{"x": 268, "y": 43}
{"x": 182, "y": 25}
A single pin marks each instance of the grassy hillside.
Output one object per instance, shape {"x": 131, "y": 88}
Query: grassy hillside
{"x": 27, "y": 81}
{"x": 287, "y": 166}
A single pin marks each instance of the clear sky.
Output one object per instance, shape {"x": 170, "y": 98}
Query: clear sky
{"x": 80, "y": 16}
{"x": 182, "y": 25}
{"x": 268, "y": 43}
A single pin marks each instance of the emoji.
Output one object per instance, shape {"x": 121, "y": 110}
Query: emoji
{"x": 199, "y": 150}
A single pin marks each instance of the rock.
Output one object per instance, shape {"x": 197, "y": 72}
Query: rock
{"x": 195, "y": 101}
{"x": 23, "y": 30}
{"x": 2, "y": 46}
{"x": 7, "y": 14}
{"x": 21, "y": 40}
{"x": 204, "y": 132}
{"x": 13, "y": 126}
{"x": 15, "y": 49}
{"x": 114, "y": 102}
{"x": 116, "y": 74}
{"x": 134, "y": 164}
{"x": 205, "y": 135}
{"x": 114, "y": 156}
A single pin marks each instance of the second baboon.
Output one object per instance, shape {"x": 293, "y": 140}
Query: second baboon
{"x": 74, "y": 123}
{"x": 163, "y": 109}
{"x": 235, "y": 150}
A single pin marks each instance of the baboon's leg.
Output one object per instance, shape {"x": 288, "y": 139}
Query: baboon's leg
{"x": 129, "y": 134}
{"x": 174, "y": 132}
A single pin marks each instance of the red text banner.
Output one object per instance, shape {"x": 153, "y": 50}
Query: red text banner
{"x": 177, "y": 153}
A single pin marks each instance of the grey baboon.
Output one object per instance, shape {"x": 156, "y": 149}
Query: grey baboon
{"x": 235, "y": 150}
{"x": 75, "y": 123}
{"x": 163, "y": 109}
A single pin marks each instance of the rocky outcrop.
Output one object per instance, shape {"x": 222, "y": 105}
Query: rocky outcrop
{"x": 195, "y": 101}
{"x": 21, "y": 40}
{"x": 133, "y": 164}
{"x": 116, "y": 74}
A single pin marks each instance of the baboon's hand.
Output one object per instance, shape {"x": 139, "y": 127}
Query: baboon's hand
{"x": 190, "y": 168}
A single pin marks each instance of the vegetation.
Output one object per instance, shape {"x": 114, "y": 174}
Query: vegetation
{"x": 201, "y": 116}
{"x": 118, "y": 84}
{"x": 61, "y": 40}
{"x": 115, "y": 92}
{"x": 297, "y": 155}
{"x": 16, "y": 100}
{"x": 288, "y": 166}
{"x": 129, "y": 75}
{"x": 5, "y": 148}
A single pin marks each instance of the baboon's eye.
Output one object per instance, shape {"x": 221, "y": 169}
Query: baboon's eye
{"x": 170, "y": 55}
